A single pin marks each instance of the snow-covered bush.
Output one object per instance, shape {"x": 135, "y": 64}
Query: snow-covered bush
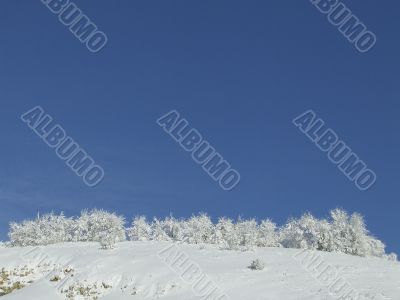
{"x": 257, "y": 265}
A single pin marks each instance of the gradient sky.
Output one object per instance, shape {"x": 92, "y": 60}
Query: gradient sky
{"x": 238, "y": 71}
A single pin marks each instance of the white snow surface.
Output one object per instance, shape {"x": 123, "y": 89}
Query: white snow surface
{"x": 137, "y": 270}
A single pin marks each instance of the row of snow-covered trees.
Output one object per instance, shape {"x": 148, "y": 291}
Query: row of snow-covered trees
{"x": 92, "y": 226}
{"x": 340, "y": 233}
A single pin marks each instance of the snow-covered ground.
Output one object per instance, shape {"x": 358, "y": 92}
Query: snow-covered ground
{"x": 163, "y": 270}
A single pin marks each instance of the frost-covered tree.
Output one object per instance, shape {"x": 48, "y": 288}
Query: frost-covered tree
{"x": 157, "y": 231}
{"x": 350, "y": 235}
{"x": 222, "y": 232}
{"x": 246, "y": 232}
{"x": 267, "y": 234}
{"x": 242, "y": 235}
{"x": 306, "y": 232}
{"x": 44, "y": 230}
{"x": 92, "y": 225}
{"x": 300, "y": 233}
{"x": 198, "y": 229}
{"x": 50, "y": 229}
{"x": 54, "y": 228}
{"x": 340, "y": 233}
{"x": 173, "y": 228}
{"x": 24, "y": 234}
{"x": 140, "y": 230}
{"x": 107, "y": 239}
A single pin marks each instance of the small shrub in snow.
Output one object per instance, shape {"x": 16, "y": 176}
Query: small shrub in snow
{"x": 257, "y": 265}
{"x": 85, "y": 290}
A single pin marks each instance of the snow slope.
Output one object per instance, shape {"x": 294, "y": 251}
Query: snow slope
{"x": 156, "y": 270}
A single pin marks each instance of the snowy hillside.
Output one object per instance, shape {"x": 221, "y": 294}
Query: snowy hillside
{"x": 166, "y": 270}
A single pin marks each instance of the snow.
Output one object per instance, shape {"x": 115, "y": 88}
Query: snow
{"x": 145, "y": 270}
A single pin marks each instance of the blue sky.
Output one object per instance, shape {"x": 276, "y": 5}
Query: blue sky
{"x": 238, "y": 71}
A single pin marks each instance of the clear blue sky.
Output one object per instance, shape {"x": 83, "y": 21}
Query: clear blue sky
{"x": 238, "y": 71}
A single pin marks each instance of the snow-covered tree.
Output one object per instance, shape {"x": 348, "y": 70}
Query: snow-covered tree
{"x": 54, "y": 228}
{"x": 198, "y": 229}
{"x": 173, "y": 228}
{"x": 44, "y": 230}
{"x": 306, "y": 232}
{"x": 242, "y": 235}
{"x": 23, "y": 234}
{"x": 267, "y": 234}
{"x": 350, "y": 235}
{"x": 107, "y": 239}
{"x": 157, "y": 231}
{"x": 93, "y": 224}
{"x": 340, "y": 233}
{"x": 140, "y": 230}
{"x": 246, "y": 234}
{"x": 223, "y": 231}
{"x": 300, "y": 233}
